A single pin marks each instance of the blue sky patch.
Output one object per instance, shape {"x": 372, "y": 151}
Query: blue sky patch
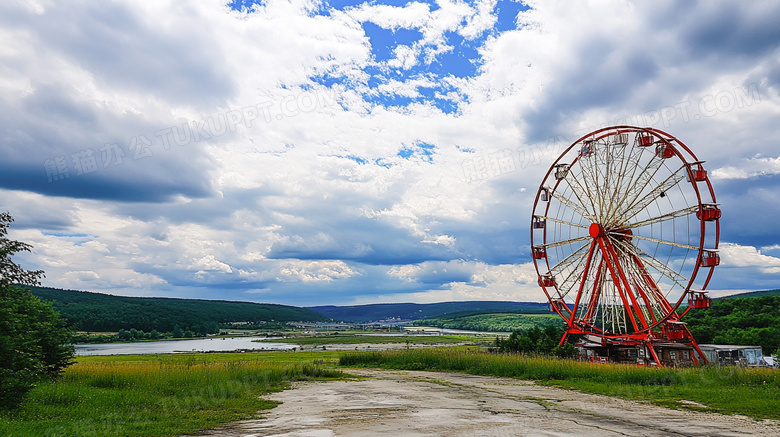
{"x": 382, "y": 163}
{"x": 384, "y": 41}
{"x": 65, "y": 234}
{"x": 461, "y": 60}
{"x": 357, "y": 159}
{"x": 507, "y": 15}
{"x": 421, "y": 149}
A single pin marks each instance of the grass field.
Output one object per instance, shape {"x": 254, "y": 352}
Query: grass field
{"x": 167, "y": 395}
{"x": 160, "y": 395}
{"x": 754, "y": 392}
{"x": 326, "y": 339}
{"x": 495, "y": 322}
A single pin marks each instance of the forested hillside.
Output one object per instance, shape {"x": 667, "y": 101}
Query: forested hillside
{"x": 417, "y": 311}
{"x": 753, "y": 294}
{"x": 87, "y": 311}
{"x": 741, "y": 321}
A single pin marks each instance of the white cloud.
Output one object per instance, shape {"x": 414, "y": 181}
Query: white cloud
{"x": 316, "y": 271}
{"x": 749, "y": 168}
{"x": 413, "y": 15}
{"x": 405, "y": 57}
{"x": 735, "y": 255}
{"x": 208, "y": 262}
{"x": 314, "y": 193}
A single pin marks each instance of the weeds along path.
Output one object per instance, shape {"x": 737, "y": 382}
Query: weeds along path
{"x": 418, "y": 403}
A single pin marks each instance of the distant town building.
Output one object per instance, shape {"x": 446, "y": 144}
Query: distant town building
{"x": 732, "y": 355}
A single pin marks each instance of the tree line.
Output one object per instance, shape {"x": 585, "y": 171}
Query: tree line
{"x": 537, "y": 340}
{"x": 749, "y": 321}
{"x": 480, "y": 321}
{"x": 96, "y": 312}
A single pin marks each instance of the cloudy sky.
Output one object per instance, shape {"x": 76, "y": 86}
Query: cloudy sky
{"x": 342, "y": 152}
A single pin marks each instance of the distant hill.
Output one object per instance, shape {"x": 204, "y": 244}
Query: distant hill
{"x": 417, "y": 311}
{"x": 753, "y": 294}
{"x": 102, "y": 312}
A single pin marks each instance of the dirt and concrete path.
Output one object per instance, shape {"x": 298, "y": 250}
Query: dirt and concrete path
{"x": 410, "y": 404}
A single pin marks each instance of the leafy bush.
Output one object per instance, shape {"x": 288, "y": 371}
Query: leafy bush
{"x": 34, "y": 344}
{"x": 750, "y": 321}
{"x": 537, "y": 340}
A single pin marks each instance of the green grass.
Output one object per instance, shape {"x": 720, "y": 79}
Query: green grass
{"x": 754, "y": 392}
{"x": 377, "y": 339}
{"x": 172, "y": 395}
{"x": 162, "y": 395}
{"x": 494, "y": 322}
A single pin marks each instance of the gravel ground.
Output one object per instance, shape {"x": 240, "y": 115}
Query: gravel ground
{"x": 412, "y": 403}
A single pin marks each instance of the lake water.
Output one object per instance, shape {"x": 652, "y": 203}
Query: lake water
{"x": 240, "y": 343}
{"x": 173, "y": 346}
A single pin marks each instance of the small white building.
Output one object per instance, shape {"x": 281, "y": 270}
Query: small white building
{"x": 732, "y": 355}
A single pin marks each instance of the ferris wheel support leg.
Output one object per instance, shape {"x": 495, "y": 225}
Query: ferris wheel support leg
{"x": 615, "y": 271}
{"x": 564, "y": 337}
{"x": 585, "y": 272}
{"x": 693, "y": 355}
{"x": 696, "y": 346}
{"x": 652, "y": 352}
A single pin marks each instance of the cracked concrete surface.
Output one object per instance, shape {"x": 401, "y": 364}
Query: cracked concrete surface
{"x": 417, "y": 403}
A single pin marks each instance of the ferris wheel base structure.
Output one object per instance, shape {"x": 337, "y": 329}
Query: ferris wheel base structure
{"x": 624, "y": 237}
{"x": 673, "y": 346}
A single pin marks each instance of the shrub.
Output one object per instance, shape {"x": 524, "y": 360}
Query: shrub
{"x": 34, "y": 344}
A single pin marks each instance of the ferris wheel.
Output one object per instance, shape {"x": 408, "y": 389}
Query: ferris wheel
{"x": 625, "y": 229}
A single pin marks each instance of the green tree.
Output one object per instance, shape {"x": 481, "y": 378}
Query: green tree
{"x": 34, "y": 343}
{"x": 565, "y": 350}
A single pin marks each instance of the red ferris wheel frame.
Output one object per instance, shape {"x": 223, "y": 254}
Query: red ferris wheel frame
{"x": 602, "y": 184}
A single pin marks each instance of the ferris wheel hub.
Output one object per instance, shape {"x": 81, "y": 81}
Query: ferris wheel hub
{"x": 595, "y": 230}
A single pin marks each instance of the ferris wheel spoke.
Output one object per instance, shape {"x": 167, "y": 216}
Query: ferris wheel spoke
{"x": 564, "y": 222}
{"x": 668, "y": 216}
{"x": 571, "y": 280}
{"x": 660, "y": 267}
{"x": 618, "y": 184}
{"x": 645, "y": 287}
{"x": 640, "y": 204}
{"x": 592, "y": 291}
{"x": 563, "y": 242}
{"x": 571, "y": 204}
{"x": 668, "y": 243}
{"x": 582, "y": 189}
{"x": 598, "y": 196}
{"x": 562, "y": 264}
{"x": 661, "y": 304}
{"x": 627, "y": 188}
{"x": 636, "y": 186}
